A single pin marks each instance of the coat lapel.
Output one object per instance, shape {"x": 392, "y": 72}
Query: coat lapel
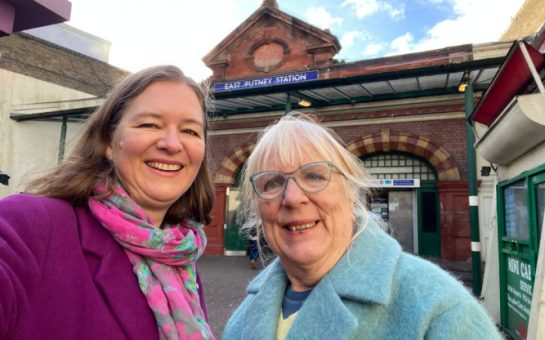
{"x": 364, "y": 275}
{"x": 114, "y": 278}
{"x": 370, "y": 262}
{"x": 267, "y": 291}
{"x": 323, "y": 316}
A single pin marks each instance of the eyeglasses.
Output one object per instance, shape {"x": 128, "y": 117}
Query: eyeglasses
{"x": 311, "y": 178}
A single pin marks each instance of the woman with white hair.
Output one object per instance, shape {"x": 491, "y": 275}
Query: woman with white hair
{"x": 338, "y": 274}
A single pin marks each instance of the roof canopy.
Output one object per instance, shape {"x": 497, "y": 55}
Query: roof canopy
{"x": 511, "y": 80}
{"x": 409, "y": 81}
{"x": 19, "y": 15}
{"x": 389, "y": 78}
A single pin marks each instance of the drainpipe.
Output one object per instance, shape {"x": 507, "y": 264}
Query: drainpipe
{"x": 288, "y": 104}
{"x": 473, "y": 198}
{"x": 62, "y": 141}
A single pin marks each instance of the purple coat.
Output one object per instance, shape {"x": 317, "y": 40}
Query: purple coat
{"x": 63, "y": 276}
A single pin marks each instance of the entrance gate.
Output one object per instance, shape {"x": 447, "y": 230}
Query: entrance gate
{"x": 429, "y": 238}
{"x": 234, "y": 241}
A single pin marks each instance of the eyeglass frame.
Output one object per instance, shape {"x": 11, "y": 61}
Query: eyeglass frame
{"x": 289, "y": 175}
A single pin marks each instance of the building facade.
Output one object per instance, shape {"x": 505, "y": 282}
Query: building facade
{"x": 46, "y": 93}
{"x": 17, "y": 15}
{"x": 512, "y": 115}
{"x": 404, "y": 116}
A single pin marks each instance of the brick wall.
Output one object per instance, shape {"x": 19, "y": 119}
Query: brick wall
{"x": 36, "y": 58}
{"x": 527, "y": 21}
{"x": 454, "y": 142}
{"x": 298, "y": 43}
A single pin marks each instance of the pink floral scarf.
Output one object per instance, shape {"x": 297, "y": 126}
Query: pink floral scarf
{"x": 163, "y": 259}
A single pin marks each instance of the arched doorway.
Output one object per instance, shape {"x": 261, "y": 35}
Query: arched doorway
{"x": 405, "y": 196}
{"x": 228, "y": 200}
{"x": 445, "y": 187}
{"x": 234, "y": 241}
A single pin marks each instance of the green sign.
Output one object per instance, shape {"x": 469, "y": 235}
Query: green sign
{"x": 519, "y": 294}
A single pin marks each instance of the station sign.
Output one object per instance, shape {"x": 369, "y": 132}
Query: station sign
{"x": 274, "y": 80}
{"x": 395, "y": 183}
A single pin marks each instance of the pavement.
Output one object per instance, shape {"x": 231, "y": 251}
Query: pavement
{"x": 224, "y": 279}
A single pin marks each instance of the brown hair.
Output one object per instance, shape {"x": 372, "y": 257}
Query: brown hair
{"x": 75, "y": 177}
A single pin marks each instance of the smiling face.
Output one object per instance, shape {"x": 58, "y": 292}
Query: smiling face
{"x": 309, "y": 232}
{"x": 158, "y": 146}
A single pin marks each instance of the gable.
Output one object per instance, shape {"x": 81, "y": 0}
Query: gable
{"x": 271, "y": 42}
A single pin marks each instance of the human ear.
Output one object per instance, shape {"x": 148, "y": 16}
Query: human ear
{"x": 109, "y": 152}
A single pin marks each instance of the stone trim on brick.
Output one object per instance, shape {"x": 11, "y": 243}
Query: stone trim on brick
{"x": 227, "y": 172}
{"x": 387, "y": 141}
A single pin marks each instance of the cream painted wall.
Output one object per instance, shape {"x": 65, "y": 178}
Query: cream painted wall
{"x": 35, "y": 149}
{"x": 31, "y": 146}
{"x": 530, "y": 160}
{"x": 485, "y": 194}
{"x": 6, "y": 83}
{"x": 486, "y": 210}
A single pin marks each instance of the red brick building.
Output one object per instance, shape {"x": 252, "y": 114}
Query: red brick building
{"x": 404, "y": 116}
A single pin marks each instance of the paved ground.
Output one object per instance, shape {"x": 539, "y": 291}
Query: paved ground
{"x": 225, "y": 279}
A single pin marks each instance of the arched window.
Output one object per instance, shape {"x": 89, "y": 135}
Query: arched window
{"x": 397, "y": 165}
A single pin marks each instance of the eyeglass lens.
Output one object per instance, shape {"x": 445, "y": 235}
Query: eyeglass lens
{"x": 311, "y": 177}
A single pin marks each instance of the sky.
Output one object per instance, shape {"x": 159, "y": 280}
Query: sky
{"x": 143, "y": 33}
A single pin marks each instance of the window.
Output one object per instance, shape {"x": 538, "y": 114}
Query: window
{"x": 516, "y": 210}
{"x": 398, "y": 166}
{"x": 540, "y": 206}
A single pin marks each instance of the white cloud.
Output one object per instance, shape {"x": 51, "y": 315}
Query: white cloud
{"x": 396, "y": 13}
{"x": 402, "y": 44}
{"x": 320, "y": 17}
{"x": 167, "y": 32}
{"x": 365, "y": 8}
{"x": 372, "y": 49}
{"x": 476, "y": 21}
{"x": 439, "y": 2}
{"x": 348, "y": 39}
{"x": 174, "y": 32}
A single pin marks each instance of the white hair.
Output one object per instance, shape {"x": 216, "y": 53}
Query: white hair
{"x": 285, "y": 143}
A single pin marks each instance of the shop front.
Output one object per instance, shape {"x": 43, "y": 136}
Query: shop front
{"x": 521, "y": 206}
{"x": 513, "y": 111}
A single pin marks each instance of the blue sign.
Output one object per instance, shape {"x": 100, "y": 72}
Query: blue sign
{"x": 403, "y": 182}
{"x": 280, "y": 79}
{"x": 395, "y": 183}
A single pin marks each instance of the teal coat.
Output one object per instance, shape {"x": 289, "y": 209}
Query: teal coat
{"x": 375, "y": 291}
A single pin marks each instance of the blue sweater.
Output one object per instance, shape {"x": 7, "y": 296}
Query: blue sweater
{"x": 375, "y": 291}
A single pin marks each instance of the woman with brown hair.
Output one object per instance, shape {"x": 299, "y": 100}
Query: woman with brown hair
{"x": 104, "y": 246}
